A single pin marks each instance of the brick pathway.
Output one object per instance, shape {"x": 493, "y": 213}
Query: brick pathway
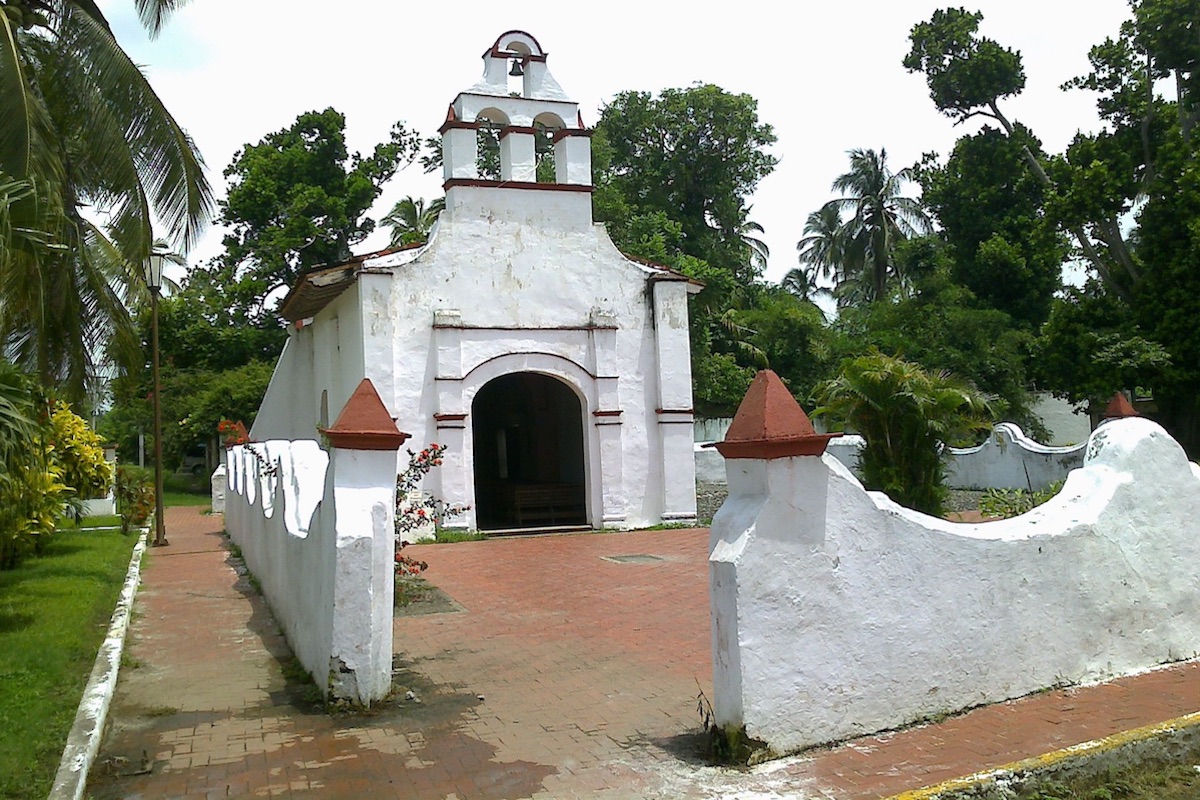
{"x": 562, "y": 674}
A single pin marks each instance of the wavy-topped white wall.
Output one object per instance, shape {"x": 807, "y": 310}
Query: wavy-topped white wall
{"x": 838, "y": 613}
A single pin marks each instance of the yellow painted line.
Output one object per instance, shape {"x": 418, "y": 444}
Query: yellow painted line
{"x": 1047, "y": 760}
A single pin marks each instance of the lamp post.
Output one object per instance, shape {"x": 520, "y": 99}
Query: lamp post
{"x": 154, "y": 271}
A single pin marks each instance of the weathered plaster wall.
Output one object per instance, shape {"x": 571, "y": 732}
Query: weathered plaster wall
{"x": 526, "y": 283}
{"x": 1066, "y": 425}
{"x": 837, "y": 612}
{"x": 1010, "y": 460}
{"x": 1007, "y": 460}
{"x": 318, "y": 536}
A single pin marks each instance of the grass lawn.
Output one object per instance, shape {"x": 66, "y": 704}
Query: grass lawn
{"x": 1145, "y": 781}
{"x": 54, "y": 612}
{"x": 171, "y": 498}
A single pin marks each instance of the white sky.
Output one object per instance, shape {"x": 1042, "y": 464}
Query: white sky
{"x": 827, "y": 75}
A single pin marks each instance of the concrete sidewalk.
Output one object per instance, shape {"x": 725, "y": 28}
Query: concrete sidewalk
{"x": 561, "y": 666}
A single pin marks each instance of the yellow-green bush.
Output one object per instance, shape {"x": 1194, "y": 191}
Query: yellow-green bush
{"x": 32, "y": 490}
{"x": 80, "y": 453}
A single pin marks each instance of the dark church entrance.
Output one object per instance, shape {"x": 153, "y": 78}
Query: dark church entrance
{"x": 529, "y": 453}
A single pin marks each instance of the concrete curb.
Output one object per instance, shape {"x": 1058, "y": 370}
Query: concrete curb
{"x": 1170, "y": 740}
{"x": 83, "y": 742}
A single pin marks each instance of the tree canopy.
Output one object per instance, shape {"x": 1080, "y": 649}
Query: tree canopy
{"x": 297, "y": 199}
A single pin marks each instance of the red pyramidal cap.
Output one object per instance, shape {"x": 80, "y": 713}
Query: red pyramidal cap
{"x": 365, "y": 423}
{"x": 770, "y": 424}
{"x": 1119, "y": 407}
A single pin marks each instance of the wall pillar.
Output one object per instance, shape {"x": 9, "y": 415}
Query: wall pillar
{"x": 771, "y": 451}
{"x": 675, "y": 416}
{"x": 460, "y": 149}
{"x": 518, "y": 159}
{"x": 364, "y": 442}
{"x": 573, "y": 156}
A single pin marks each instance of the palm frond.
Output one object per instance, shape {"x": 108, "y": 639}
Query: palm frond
{"x": 154, "y": 13}
{"x": 169, "y": 166}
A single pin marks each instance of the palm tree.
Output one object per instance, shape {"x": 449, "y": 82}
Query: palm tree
{"x": 410, "y": 220}
{"x": 881, "y": 217}
{"x": 81, "y": 128}
{"x": 823, "y": 245}
{"x": 750, "y": 233}
{"x": 804, "y": 282}
{"x": 904, "y": 413}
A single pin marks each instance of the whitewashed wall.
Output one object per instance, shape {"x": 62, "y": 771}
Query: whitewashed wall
{"x": 318, "y": 536}
{"x": 511, "y": 281}
{"x": 837, "y": 612}
{"x": 1010, "y": 460}
{"x": 1007, "y": 460}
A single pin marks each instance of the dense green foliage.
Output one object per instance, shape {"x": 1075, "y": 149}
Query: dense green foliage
{"x": 298, "y": 199}
{"x": 52, "y": 621}
{"x": 79, "y": 453}
{"x": 81, "y": 128}
{"x": 905, "y": 414}
{"x": 673, "y": 174}
{"x": 135, "y": 496}
{"x": 32, "y": 492}
{"x": 1126, "y": 196}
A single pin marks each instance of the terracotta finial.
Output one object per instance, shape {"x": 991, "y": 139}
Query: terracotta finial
{"x": 365, "y": 423}
{"x": 1119, "y": 407}
{"x": 770, "y": 424}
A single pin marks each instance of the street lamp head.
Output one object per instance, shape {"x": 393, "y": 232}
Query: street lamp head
{"x": 154, "y": 271}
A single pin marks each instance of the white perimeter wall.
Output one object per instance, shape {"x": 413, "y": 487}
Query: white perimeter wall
{"x": 318, "y": 538}
{"x": 1007, "y": 460}
{"x": 837, "y": 612}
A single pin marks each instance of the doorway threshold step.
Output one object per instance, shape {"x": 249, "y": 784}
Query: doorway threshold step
{"x": 538, "y": 531}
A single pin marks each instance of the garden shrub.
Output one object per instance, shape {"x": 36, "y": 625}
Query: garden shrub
{"x": 80, "y": 453}
{"x": 32, "y": 493}
{"x": 135, "y": 496}
{"x": 906, "y": 415}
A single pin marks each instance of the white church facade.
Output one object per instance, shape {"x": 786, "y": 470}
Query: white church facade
{"x": 555, "y": 369}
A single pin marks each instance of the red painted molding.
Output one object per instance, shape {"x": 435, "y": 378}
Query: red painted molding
{"x": 674, "y": 411}
{"x": 563, "y": 133}
{"x": 507, "y": 129}
{"x": 449, "y": 417}
{"x": 457, "y": 124}
{"x": 486, "y": 184}
{"x": 608, "y": 413}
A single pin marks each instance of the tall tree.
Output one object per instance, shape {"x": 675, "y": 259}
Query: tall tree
{"x": 823, "y": 246}
{"x": 673, "y": 174}
{"x": 968, "y": 75}
{"x": 297, "y": 199}
{"x": 82, "y": 128}
{"x": 694, "y": 154}
{"x": 1139, "y": 166}
{"x": 880, "y": 218}
{"x": 991, "y": 210}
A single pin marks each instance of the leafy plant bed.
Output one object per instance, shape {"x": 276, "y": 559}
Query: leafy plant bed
{"x": 54, "y": 613}
{"x": 416, "y": 596}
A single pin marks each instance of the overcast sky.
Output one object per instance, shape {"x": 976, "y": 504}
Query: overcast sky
{"x": 827, "y": 75}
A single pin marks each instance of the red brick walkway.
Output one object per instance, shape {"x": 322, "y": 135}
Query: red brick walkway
{"x": 563, "y": 674}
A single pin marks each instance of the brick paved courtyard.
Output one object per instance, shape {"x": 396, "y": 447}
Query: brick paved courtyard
{"x": 560, "y": 670}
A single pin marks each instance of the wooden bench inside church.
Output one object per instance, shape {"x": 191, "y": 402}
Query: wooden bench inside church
{"x": 548, "y": 503}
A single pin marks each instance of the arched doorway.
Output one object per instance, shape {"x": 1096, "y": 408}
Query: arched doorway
{"x": 529, "y": 453}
